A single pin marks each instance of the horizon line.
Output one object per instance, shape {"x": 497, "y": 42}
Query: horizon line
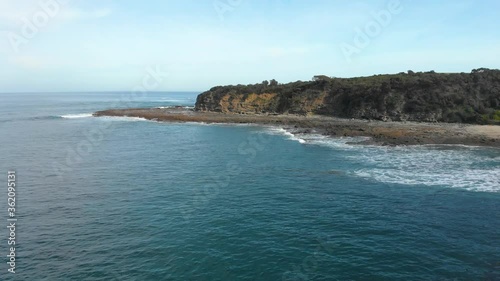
{"x": 94, "y": 91}
{"x": 201, "y": 91}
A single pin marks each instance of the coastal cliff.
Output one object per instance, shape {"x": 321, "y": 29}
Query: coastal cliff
{"x": 425, "y": 97}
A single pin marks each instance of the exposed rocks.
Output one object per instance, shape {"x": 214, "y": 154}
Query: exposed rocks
{"x": 385, "y": 133}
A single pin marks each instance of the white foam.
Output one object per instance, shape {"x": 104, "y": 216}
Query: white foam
{"x": 317, "y": 139}
{"x": 462, "y": 167}
{"x": 342, "y": 143}
{"x": 459, "y": 167}
{"x": 473, "y": 180}
{"x": 283, "y": 132}
{"x": 122, "y": 118}
{"x": 74, "y": 116}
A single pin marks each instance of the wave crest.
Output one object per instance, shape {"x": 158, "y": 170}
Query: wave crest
{"x": 75, "y": 116}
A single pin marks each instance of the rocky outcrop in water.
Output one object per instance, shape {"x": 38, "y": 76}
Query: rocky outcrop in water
{"x": 425, "y": 96}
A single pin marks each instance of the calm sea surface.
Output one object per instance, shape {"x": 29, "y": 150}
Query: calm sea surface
{"x": 128, "y": 199}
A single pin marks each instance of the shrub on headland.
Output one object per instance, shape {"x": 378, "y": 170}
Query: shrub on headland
{"x": 414, "y": 96}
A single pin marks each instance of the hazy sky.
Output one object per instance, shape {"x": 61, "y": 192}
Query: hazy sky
{"x": 93, "y": 45}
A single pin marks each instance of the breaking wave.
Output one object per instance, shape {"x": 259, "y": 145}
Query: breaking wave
{"x": 465, "y": 167}
{"x": 75, "y": 116}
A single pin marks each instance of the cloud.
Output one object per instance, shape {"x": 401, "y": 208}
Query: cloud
{"x": 73, "y": 14}
{"x": 12, "y": 12}
{"x": 28, "y": 62}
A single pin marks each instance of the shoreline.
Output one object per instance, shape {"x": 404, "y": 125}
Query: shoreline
{"x": 379, "y": 132}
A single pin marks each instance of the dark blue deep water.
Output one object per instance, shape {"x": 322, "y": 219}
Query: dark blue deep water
{"x": 128, "y": 199}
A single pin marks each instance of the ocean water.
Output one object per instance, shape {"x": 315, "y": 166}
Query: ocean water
{"x": 128, "y": 199}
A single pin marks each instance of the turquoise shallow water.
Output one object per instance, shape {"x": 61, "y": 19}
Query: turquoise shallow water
{"x": 128, "y": 199}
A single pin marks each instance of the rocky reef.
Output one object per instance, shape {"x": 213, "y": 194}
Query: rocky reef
{"x": 424, "y": 97}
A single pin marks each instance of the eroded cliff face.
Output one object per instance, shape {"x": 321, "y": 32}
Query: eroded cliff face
{"x": 252, "y": 103}
{"x": 432, "y": 97}
{"x": 272, "y": 103}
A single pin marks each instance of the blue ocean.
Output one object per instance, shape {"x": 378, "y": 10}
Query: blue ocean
{"x": 114, "y": 198}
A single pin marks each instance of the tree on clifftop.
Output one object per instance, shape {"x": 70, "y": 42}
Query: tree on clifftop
{"x": 321, "y": 78}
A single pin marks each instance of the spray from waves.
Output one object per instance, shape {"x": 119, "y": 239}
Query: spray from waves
{"x": 317, "y": 139}
{"x": 36, "y": 118}
{"x": 103, "y": 118}
{"x": 287, "y": 134}
{"x": 456, "y": 167}
{"x": 76, "y": 116}
{"x": 122, "y": 119}
{"x": 339, "y": 143}
{"x": 462, "y": 167}
{"x": 485, "y": 180}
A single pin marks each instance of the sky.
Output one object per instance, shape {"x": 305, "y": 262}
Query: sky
{"x": 111, "y": 45}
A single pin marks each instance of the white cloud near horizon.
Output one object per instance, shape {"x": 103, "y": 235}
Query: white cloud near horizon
{"x": 13, "y": 12}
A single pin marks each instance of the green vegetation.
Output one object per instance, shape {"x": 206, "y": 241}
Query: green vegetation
{"x": 496, "y": 116}
{"x": 416, "y": 96}
{"x": 492, "y": 118}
